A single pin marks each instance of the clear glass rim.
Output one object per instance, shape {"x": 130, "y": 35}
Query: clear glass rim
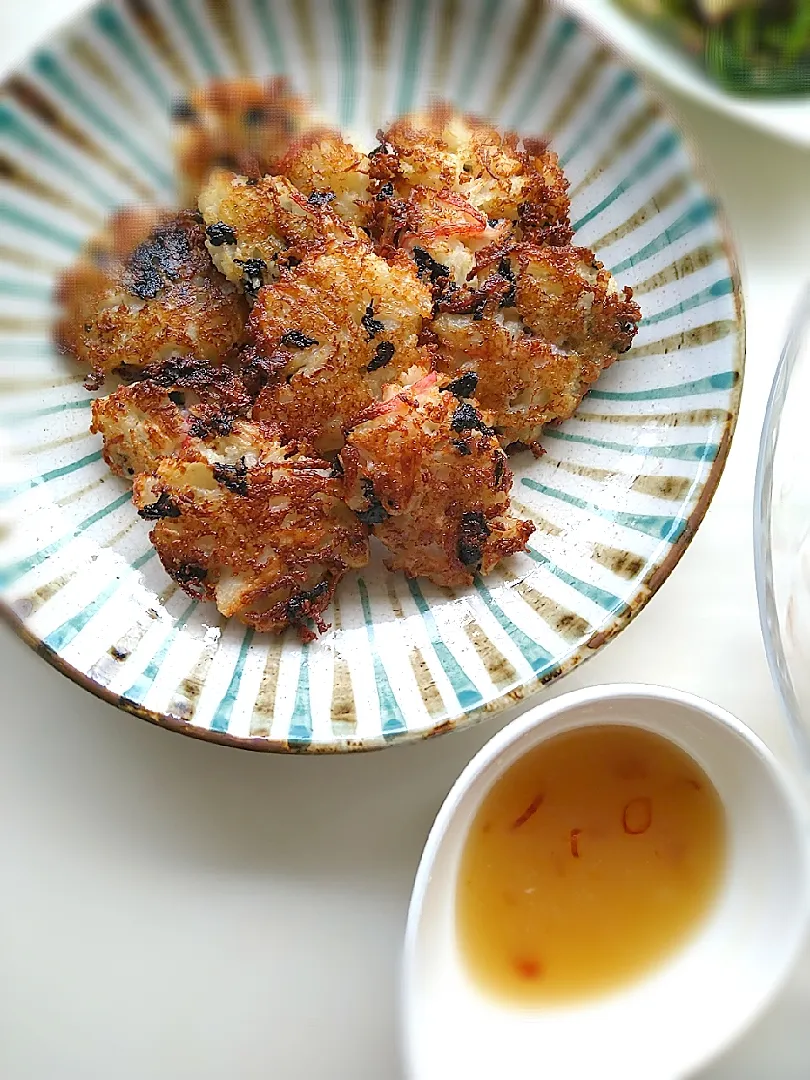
{"x": 763, "y": 516}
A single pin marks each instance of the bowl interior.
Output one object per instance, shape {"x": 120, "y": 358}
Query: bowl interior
{"x": 685, "y": 1011}
{"x": 84, "y": 126}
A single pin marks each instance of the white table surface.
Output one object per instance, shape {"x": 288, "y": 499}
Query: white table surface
{"x": 172, "y": 910}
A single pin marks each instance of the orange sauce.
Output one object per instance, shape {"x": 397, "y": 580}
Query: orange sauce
{"x": 589, "y": 862}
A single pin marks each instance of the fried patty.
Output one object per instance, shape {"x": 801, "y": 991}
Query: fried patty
{"x": 174, "y": 403}
{"x": 331, "y": 333}
{"x": 258, "y": 527}
{"x": 246, "y": 125}
{"x": 497, "y": 173}
{"x": 255, "y": 228}
{"x": 130, "y": 307}
{"x": 537, "y": 326}
{"x": 330, "y": 171}
{"x": 426, "y": 472}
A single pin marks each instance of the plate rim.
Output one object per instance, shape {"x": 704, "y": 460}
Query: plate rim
{"x": 647, "y": 587}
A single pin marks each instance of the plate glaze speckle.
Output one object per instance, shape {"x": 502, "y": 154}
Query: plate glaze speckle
{"x": 84, "y": 126}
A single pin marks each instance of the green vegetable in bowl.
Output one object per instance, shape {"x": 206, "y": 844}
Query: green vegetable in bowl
{"x": 752, "y": 46}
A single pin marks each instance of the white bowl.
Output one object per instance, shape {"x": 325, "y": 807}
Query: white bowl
{"x": 785, "y": 118}
{"x": 678, "y": 1017}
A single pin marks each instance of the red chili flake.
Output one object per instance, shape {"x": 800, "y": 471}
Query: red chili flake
{"x": 528, "y": 968}
{"x": 637, "y": 816}
{"x": 529, "y": 812}
{"x": 575, "y": 835}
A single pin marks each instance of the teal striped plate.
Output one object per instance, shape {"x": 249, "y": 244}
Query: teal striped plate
{"x": 84, "y": 126}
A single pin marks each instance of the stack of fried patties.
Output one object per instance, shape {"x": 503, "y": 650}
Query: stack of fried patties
{"x": 335, "y": 343}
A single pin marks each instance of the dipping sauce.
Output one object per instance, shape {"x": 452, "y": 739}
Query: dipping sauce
{"x": 589, "y": 862}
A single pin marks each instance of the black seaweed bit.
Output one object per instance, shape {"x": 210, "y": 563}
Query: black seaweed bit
{"x": 183, "y": 110}
{"x": 255, "y": 115}
{"x": 219, "y": 233}
{"x": 252, "y": 273}
{"x": 499, "y": 469}
{"x": 163, "y": 508}
{"x": 382, "y": 356}
{"x": 465, "y": 385}
{"x": 467, "y": 418}
{"x": 472, "y": 536}
{"x": 337, "y": 467}
{"x": 505, "y": 270}
{"x": 426, "y": 264}
{"x": 251, "y": 181}
{"x": 233, "y": 477}
{"x": 493, "y": 221}
{"x": 299, "y": 607}
{"x": 462, "y": 447}
{"x": 371, "y": 325}
{"x": 376, "y": 513}
{"x": 162, "y": 256}
{"x": 382, "y": 148}
{"x": 191, "y": 577}
{"x": 385, "y": 192}
{"x": 177, "y": 397}
{"x": 118, "y": 654}
{"x": 298, "y": 339}
{"x": 627, "y": 326}
{"x": 214, "y": 425}
{"x": 320, "y": 198}
{"x": 509, "y": 298}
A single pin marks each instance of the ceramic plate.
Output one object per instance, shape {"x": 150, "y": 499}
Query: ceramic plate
{"x": 84, "y": 126}
{"x": 786, "y": 118}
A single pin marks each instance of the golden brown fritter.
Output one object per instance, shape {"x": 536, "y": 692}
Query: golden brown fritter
{"x": 426, "y": 472}
{"x": 331, "y": 333}
{"x": 245, "y": 125}
{"x": 440, "y": 230}
{"x": 537, "y": 326}
{"x": 259, "y": 528}
{"x": 254, "y": 228}
{"x": 501, "y": 176}
{"x": 329, "y": 170}
{"x": 176, "y": 402}
{"x": 567, "y": 297}
{"x": 130, "y": 308}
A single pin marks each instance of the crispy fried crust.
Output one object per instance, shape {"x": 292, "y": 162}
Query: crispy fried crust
{"x": 242, "y": 124}
{"x": 329, "y": 170}
{"x": 332, "y": 333}
{"x": 256, "y": 228}
{"x": 139, "y": 306}
{"x": 523, "y": 382}
{"x": 537, "y": 326}
{"x": 259, "y": 528}
{"x": 498, "y": 174}
{"x": 566, "y": 296}
{"x": 425, "y": 470}
{"x": 176, "y": 402}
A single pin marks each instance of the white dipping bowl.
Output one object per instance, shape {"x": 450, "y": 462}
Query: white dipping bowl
{"x": 669, "y": 1022}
